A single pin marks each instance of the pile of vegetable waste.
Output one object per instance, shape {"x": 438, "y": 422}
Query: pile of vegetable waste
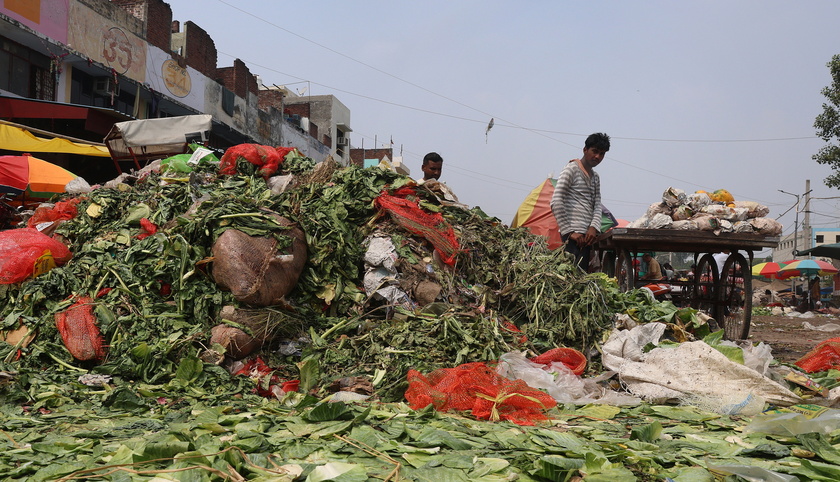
{"x": 156, "y": 300}
{"x": 164, "y": 402}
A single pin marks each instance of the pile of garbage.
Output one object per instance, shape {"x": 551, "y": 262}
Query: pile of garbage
{"x": 358, "y": 275}
{"x": 718, "y": 212}
{"x": 154, "y": 315}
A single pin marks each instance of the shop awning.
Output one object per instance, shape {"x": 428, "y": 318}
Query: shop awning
{"x": 150, "y": 139}
{"x": 14, "y": 138}
{"x": 96, "y": 119}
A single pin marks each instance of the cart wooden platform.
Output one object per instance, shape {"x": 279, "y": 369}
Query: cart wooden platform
{"x": 726, "y": 296}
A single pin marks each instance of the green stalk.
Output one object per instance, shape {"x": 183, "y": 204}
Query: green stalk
{"x": 122, "y": 283}
{"x": 65, "y": 364}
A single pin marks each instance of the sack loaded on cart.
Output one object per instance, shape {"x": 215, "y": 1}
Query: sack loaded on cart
{"x": 720, "y": 232}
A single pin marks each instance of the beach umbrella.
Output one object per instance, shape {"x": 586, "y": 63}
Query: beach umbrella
{"x": 535, "y": 214}
{"x": 807, "y": 267}
{"x": 769, "y": 269}
{"x": 32, "y": 176}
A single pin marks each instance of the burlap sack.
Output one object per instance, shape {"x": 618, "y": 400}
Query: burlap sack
{"x": 254, "y": 269}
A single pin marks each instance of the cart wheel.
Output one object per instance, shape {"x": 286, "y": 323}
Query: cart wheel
{"x": 624, "y": 270}
{"x": 706, "y": 278}
{"x": 608, "y": 263}
{"x": 735, "y": 297}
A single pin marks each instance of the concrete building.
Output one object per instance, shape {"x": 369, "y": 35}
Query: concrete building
{"x": 73, "y": 68}
{"x": 323, "y": 117}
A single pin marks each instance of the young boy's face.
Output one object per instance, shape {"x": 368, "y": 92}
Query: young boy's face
{"x": 431, "y": 169}
{"x": 593, "y": 156}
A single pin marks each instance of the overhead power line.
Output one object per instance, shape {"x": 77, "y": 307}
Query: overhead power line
{"x": 504, "y": 123}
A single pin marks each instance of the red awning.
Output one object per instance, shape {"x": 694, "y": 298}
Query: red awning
{"x": 97, "y": 119}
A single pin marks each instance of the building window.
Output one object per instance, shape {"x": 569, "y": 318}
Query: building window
{"x": 819, "y": 238}
{"x": 83, "y": 92}
{"x": 837, "y": 238}
{"x": 227, "y": 101}
{"x": 25, "y": 72}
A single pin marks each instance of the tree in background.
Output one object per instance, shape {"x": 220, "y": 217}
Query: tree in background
{"x": 828, "y": 125}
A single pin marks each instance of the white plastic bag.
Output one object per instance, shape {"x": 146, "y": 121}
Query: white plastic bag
{"x": 560, "y": 382}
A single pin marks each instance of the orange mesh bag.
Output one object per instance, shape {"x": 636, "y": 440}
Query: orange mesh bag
{"x": 408, "y": 214}
{"x": 28, "y": 252}
{"x": 267, "y": 158}
{"x": 478, "y": 388}
{"x": 571, "y": 358}
{"x": 79, "y": 331}
{"x": 824, "y": 356}
{"x": 61, "y": 211}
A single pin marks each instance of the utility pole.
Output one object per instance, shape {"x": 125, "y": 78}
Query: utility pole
{"x": 806, "y": 222}
{"x": 795, "y": 222}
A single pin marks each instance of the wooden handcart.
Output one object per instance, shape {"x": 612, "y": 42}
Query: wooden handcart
{"x": 726, "y": 295}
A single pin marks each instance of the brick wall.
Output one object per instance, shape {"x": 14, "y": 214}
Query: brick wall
{"x": 297, "y": 109}
{"x": 119, "y": 15}
{"x": 238, "y": 79}
{"x": 137, "y": 8}
{"x": 270, "y": 98}
{"x": 199, "y": 50}
{"x": 159, "y": 25}
{"x": 358, "y": 156}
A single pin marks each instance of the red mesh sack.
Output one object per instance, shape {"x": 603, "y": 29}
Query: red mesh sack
{"x": 824, "y": 356}
{"x": 408, "y": 214}
{"x": 28, "y": 252}
{"x": 478, "y": 388}
{"x": 61, "y": 211}
{"x": 147, "y": 228}
{"x": 267, "y": 158}
{"x": 79, "y": 331}
{"x": 569, "y": 357}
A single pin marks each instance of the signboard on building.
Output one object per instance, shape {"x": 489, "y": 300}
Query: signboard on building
{"x": 101, "y": 40}
{"x": 47, "y": 17}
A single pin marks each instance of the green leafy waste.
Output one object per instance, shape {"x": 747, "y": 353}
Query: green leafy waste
{"x": 95, "y": 433}
{"x": 166, "y": 413}
{"x": 156, "y": 300}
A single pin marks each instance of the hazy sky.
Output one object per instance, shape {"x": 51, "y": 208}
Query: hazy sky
{"x": 695, "y": 95}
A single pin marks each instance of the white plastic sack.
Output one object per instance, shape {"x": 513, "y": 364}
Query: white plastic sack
{"x": 640, "y": 223}
{"x": 660, "y": 221}
{"x": 674, "y": 197}
{"x": 725, "y": 212}
{"x": 657, "y": 208}
{"x": 691, "y": 370}
{"x": 725, "y": 226}
{"x": 681, "y": 213}
{"x": 706, "y": 222}
{"x": 754, "y": 209}
{"x": 742, "y": 227}
{"x": 280, "y": 184}
{"x": 77, "y": 186}
{"x": 766, "y": 226}
{"x": 560, "y": 382}
{"x": 380, "y": 276}
{"x": 686, "y": 224}
{"x": 698, "y": 201}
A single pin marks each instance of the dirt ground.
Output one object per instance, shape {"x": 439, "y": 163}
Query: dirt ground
{"x": 788, "y": 337}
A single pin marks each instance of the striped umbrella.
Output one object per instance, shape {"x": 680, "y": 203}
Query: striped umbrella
{"x": 769, "y": 269}
{"x": 807, "y": 267}
{"x": 33, "y": 176}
